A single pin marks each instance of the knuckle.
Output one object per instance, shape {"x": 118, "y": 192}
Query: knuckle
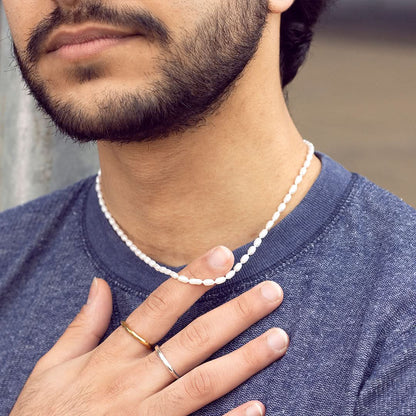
{"x": 243, "y": 307}
{"x": 200, "y": 384}
{"x": 117, "y": 387}
{"x": 195, "y": 335}
{"x": 156, "y": 304}
{"x": 100, "y": 358}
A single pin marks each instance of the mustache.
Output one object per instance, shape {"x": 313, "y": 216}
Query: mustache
{"x": 135, "y": 19}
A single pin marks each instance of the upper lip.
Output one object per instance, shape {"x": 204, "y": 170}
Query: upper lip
{"x": 72, "y": 37}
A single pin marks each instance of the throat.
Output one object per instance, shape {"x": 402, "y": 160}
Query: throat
{"x": 180, "y": 237}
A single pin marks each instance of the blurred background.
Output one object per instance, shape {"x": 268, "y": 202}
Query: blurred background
{"x": 355, "y": 99}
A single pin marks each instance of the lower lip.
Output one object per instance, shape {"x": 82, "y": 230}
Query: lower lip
{"x": 88, "y": 49}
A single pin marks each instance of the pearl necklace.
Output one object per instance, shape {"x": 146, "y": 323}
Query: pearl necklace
{"x": 244, "y": 259}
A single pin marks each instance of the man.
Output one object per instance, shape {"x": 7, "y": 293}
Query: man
{"x": 197, "y": 150}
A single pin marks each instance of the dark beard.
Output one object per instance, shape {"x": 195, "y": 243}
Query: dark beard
{"x": 197, "y": 74}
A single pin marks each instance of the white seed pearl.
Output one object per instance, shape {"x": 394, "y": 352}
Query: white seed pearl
{"x": 195, "y": 281}
{"x": 183, "y": 279}
{"x": 263, "y": 234}
{"x": 230, "y": 274}
{"x": 237, "y": 267}
{"x": 244, "y": 259}
{"x": 276, "y": 216}
{"x": 220, "y": 280}
{"x": 298, "y": 180}
{"x": 303, "y": 171}
{"x": 251, "y": 250}
{"x": 208, "y": 282}
{"x": 293, "y": 189}
{"x": 257, "y": 242}
{"x": 269, "y": 225}
{"x": 281, "y": 208}
{"x": 287, "y": 199}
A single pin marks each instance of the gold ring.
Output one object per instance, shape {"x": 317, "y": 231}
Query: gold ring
{"x": 166, "y": 362}
{"x": 136, "y": 336}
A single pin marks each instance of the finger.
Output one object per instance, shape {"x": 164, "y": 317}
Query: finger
{"x": 86, "y": 330}
{"x": 208, "y": 333}
{"x": 216, "y": 378}
{"x": 158, "y": 313}
{"x": 248, "y": 409}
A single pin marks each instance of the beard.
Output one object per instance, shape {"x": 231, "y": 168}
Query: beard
{"x": 196, "y": 73}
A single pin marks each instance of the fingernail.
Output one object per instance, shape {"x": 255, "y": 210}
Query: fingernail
{"x": 271, "y": 291}
{"x": 218, "y": 257}
{"x": 277, "y": 339}
{"x": 254, "y": 410}
{"x": 93, "y": 291}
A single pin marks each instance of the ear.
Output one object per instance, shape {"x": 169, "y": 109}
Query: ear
{"x": 279, "y": 6}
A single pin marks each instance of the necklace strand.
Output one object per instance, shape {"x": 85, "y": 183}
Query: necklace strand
{"x": 244, "y": 259}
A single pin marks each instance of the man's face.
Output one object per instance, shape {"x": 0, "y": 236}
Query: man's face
{"x": 177, "y": 64}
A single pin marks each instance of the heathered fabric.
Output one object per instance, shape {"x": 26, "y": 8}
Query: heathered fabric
{"x": 345, "y": 258}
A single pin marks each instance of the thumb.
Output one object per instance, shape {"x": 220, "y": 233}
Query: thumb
{"x": 85, "y": 331}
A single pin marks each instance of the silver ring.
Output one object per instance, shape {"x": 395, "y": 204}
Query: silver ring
{"x": 166, "y": 362}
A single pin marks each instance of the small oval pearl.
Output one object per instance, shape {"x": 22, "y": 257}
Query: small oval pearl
{"x": 263, "y": 234}
{"x": 298, "y": 180}
{"x": 287, "y": 199}
{"x": 244, "y": 259}
{"x": 269, "y": 225}
{"x": 230, "y": 274}
{"x": 183, "y": 279}
{"x": 251, "y": 250}
{"x": 282, "y": 207}
{"x": 276, "y": 216}
{"x": 195, "y": 281}
{"x": 257, "y": 242}
{"x": 293, "y": 189}
{"x": 303, "y": 171}
{"x": 220, "y": 280}
{"x": 208, "y": 282}
{"x": 237, "y": 267}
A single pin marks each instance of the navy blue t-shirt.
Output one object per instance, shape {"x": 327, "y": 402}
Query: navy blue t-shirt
{"x": 345, "y": 258}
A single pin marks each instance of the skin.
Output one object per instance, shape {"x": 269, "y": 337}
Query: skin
{"x": 208, "y": 180}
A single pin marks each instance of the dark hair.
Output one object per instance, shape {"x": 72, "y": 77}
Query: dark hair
{"x": 296, "y": 35}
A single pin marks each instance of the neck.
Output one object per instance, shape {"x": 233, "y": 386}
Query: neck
{"x": 220, "y": 183}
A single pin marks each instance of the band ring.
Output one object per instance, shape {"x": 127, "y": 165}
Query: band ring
{"x": 136, "y": 335}
{"x": 166, "y": 362}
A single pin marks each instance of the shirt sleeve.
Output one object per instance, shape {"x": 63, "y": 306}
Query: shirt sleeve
{"x": 390, "y": 389}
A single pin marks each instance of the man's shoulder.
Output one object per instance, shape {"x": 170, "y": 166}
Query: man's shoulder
{"x": 25, "y": 219}
{"x": 377, "y": 210}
